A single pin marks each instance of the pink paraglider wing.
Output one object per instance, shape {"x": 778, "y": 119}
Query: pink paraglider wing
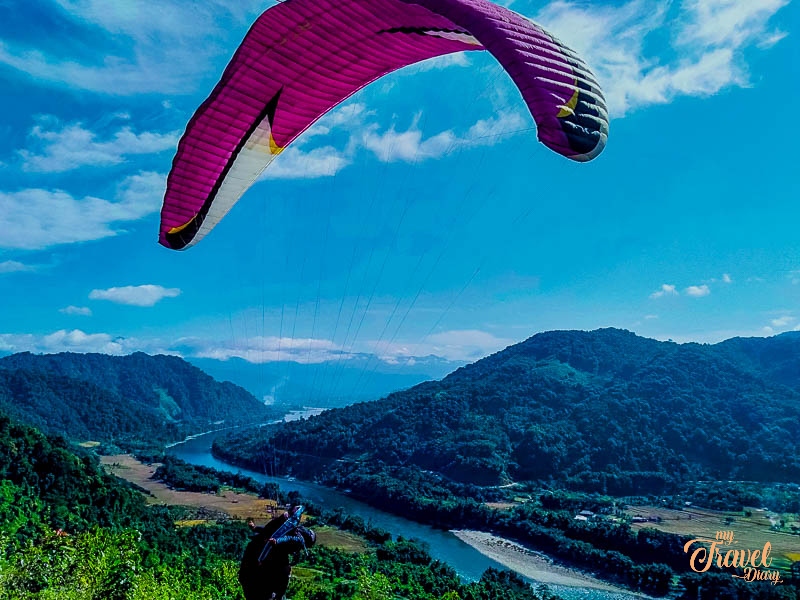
{"x": 303, "y": 57}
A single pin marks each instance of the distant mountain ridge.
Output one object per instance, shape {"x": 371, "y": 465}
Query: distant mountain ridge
{"x": 121, "y": 399}
{"x": 776, "y": 358}
{"x": 604, "y": 410}
{"x": 325, "y": 385}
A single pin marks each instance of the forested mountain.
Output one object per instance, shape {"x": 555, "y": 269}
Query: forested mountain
{"x": 121, "y": 399}
{"x": 776, "y": 359}
{"x": 599, "y": 411}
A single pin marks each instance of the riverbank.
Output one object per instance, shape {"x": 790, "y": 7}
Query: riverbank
{"x": 468, "y": 561}
{"x": 292, "y": 415}
{"x": 233, "y": 504}
{"x": 227, "y": 504}
{"x": 534, "y": 565}
{"x": 502, "y": 552}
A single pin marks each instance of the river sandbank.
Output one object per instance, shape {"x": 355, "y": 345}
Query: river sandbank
{"x": 533, "y": 565}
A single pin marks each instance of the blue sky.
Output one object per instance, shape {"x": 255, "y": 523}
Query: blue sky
{"x": 421, "y": 218}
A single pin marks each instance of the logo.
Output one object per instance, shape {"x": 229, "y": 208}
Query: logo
{"x": 754, "y": 564}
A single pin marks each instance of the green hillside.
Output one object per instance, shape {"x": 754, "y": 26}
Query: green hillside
{"x": 123, "y": 400}
{"x": 70, "y": 531}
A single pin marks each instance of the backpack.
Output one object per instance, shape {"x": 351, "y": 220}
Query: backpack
{"x": 308, "y": 535}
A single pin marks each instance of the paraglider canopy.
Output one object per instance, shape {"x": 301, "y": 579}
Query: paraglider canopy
{"x": 301, "y": 58}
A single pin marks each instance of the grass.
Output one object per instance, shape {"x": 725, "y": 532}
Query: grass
{"x": 191, "y": 522}
{"x": 305, "y": 573}
{"x": 340, "y": 540}
{"x": 501, "y": 505}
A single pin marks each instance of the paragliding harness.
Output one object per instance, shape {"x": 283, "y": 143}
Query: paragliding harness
{"x": 290, "y": 525}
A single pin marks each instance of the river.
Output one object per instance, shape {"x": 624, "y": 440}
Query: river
{"x": 443, "y": 545}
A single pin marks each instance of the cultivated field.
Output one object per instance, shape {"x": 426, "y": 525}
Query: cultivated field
{"x": 340, "y": 540}
{"x": 233, "y": 504}
{"x": 212, "y": 506}
{"x": 500, "y": 505}
{"x": 749, "y": 532}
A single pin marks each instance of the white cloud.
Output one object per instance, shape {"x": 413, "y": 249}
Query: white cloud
{"x": 411, "y": 146}
{"x": 295, "y": 163}
{"x": 698, "y": 291}
{"x": 58, "y": 147}
{"x": 707, "y": 39}
{"x": 350, "y": 115}
{"x": 728, "y": 22}
{"x": 135, "y": 295}
{"x": 650, "y": 317}
{"x": 783, "y": 321}
{"x": 486, "y": 132}
{"x": 169, "y": 47}
{"x": 462, "y": 346}
{"x": 408, "y": 145}
{"x": 83, "y": 311}
{"x": 61, "y": 341}
{"x": 267, "y": 349}
{"x": 35, "y": 218}
{"x": 665, "y": 290}
{"x": 726, "y": 278}
{"x": 149, "y": 46}
{"x": 323, "y": 161}
{"x": 13, "y": 266}
{"x": 772, "y": 39}
{"x": 76, "y": 340}
{"x": 457, "y": 345}
{"x": 387, "y": 146}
